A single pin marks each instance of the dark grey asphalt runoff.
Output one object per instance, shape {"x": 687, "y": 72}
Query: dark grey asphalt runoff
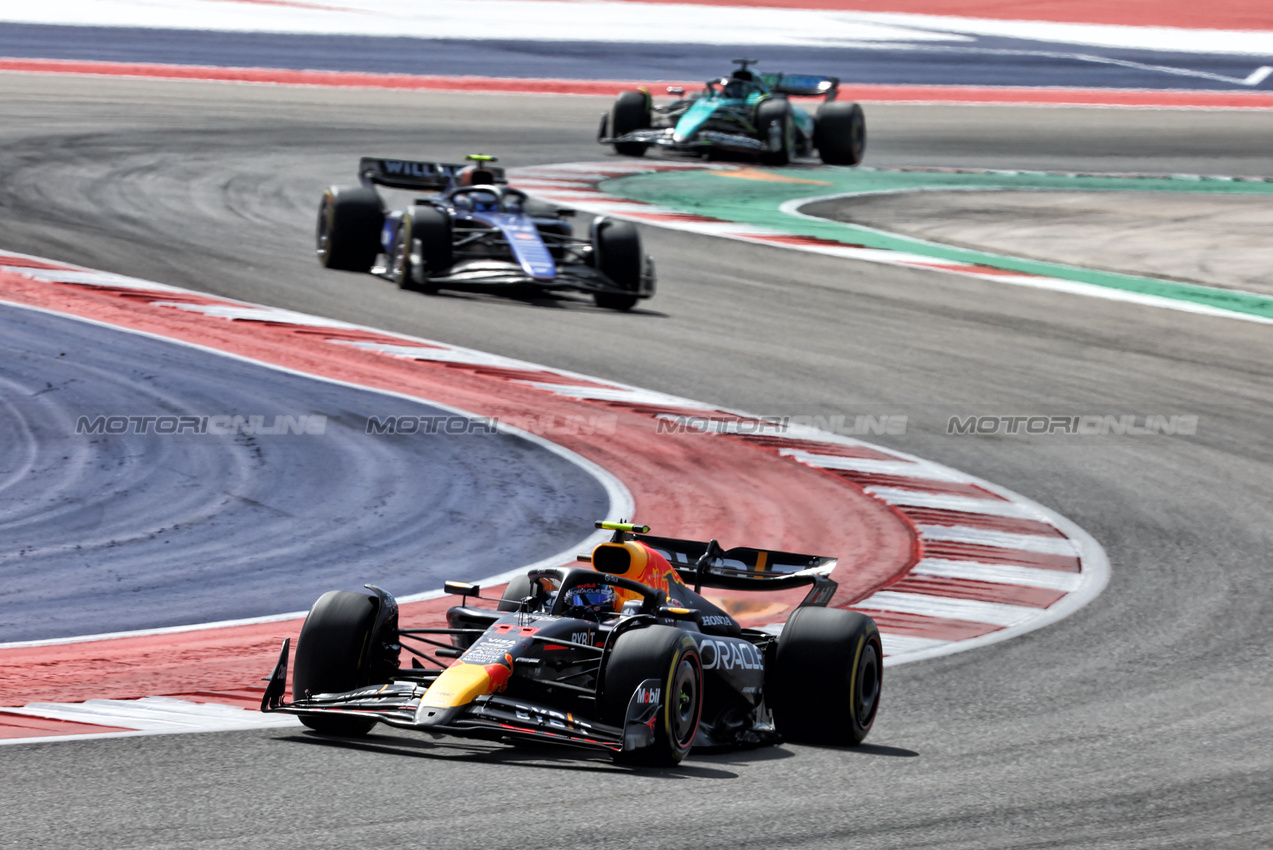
{"x": 1141, "y": 721}
{"x": 107, "y": 532}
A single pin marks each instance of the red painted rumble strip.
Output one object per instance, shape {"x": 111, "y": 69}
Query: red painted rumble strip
{"x": 23, "y": 726}
{"x": 1007, "y": 95}
{"x": 685, "y": 484}
{"x": 1012, "y": 525}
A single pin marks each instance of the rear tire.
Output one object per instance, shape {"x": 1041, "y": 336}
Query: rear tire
{"x": 336, "y": 653}
{"x": 670, "y": 656}
{"x": 823, "y": 684}
{"x": 347, "y": 235}
{"x": 517, "y": 590}
{"x": 840, "y": 133}
{"x": 432, "y": 228}
{"x": 617, "y": 247}
{"x": 774, "y": 122}
{"x": 631, "y": 112}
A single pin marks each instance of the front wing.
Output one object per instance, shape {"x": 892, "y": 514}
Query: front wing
{"x": 481, "y": 274}
{"x": 488, "y": 717}
{"x": 699, "y": 142}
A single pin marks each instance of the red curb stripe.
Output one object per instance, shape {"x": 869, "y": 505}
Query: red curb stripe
{"x": 1019, "y": 95}
{"x": 920, "y": 625}
{"x": 980, "y": 591}
{"x": 25, "y": 726}
{"x": 923, "y": 485}
{"x": 816, "y": 447}
{"x": 967, "y": 269}
{"x": 1013, "y": 525}
{"x": 799, "y": 241}
{"x": 27, "y": 263}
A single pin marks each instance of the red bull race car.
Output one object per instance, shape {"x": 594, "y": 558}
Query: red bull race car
{"x": 475, "y": 232}
{"x": 624, "y": 655}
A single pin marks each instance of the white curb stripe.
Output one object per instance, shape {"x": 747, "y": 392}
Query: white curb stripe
{"x": 999, "y": 539}
{"x": 895, "y": 644}
{"x": 994, "y": 613}
{"x": 940, "y": 501}
{"x": 999, "y": 574}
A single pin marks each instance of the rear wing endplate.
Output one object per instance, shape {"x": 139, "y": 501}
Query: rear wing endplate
{"x": 409, "y": 174}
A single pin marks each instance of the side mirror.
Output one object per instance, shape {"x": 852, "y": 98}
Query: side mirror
{"x": 461, "y": 588}
{"x": 565, "y": 212}
{"x": 675, "y": 90}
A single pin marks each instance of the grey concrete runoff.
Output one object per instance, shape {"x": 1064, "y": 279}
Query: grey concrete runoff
{"x": 1143, "y": 721}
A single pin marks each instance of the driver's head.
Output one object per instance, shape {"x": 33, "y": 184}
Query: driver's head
{"x": 590, "y": 601}
{"x": 473, "y": 175}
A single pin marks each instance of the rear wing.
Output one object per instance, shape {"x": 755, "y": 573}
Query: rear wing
{"x": 744, "y": 568}
{"x": 802, "y": 85}
{"x": 408, "y": 174}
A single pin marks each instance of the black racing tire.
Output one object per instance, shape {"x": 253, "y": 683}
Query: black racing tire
{"x": 823, "y": 683}
{"x": 669, "y": 655}
{"x": 775, "y": 112}
{"x": 517, "y": 590}
{"x": 432, "y": 227}
{"x": 617, "y": 253}
{"x": 839, "y": 133}
{"x": 347, "y": 235}
{"x": 631, "y": 112}
{"x": 333, "y": 656}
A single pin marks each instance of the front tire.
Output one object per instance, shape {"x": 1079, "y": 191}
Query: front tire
{"x": 517, "y": 590}
{"x": 347, "y": 234}
{"x": 617, "y": 249}
{"x": 631, "y": 112}
{"x": 432, "y": 229}
{"x": 823, "y": 683}
{"x": 337, "y": 652}
{"x": 776, "y": 128}
{"x": 840, "y": 133}
{"x": 669, "y": 656}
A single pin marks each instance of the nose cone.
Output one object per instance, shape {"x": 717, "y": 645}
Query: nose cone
{"x": 461, "y": 683}
{"x": 693, "y": 119}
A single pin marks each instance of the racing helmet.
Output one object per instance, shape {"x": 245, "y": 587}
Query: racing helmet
{"x": 590, "y": 601}
{"x": 475, "y": 175}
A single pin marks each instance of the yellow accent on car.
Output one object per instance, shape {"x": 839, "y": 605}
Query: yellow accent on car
{"x": 459, "y": 684}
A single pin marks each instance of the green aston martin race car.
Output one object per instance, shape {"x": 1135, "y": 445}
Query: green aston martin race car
{"x": 745, "y": 113}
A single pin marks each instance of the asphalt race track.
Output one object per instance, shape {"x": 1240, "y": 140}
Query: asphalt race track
{"x": 1141, "y": 721}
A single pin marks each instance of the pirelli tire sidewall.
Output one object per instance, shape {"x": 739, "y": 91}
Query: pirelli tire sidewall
{"x": 337, "y": 651}
{"x": 347, "y": 233}
{"x": 670, "y": 656}
{"x": 824, "y": 681}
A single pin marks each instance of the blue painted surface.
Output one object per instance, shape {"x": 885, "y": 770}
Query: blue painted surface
{"x": 102, "y": 532}
{"x": 985, "y": 61}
